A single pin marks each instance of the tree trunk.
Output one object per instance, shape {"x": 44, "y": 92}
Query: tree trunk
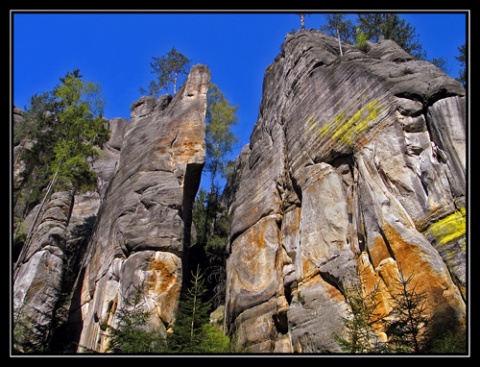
{"x": 339, "y": 42}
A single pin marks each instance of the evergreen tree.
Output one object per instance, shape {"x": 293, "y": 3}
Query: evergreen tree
{"x": 405, "y": 325}
{"x": 36, "y": 137}
{"x": 167, "y": 69}
{"x": 192, "y": 332}
{"x": 408, "y": 318}
{"x": 199, "y": 215}
{"x": 360, "y": 323}
{"x": 382, "y": 26}
{"x": 441, "y": 63}
{"x": 339, "y": 27}
{"x": 132, "y": 333}
{"x": 68, "y": 131}
{"x": 462, "y": 58}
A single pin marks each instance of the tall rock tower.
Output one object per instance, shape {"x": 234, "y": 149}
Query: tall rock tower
{"x": 143, "y": 230}
{"x": 355, "y": 176}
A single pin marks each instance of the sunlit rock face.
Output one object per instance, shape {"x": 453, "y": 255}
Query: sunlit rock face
{"x": 148, "y": 183}
{"x": 355, "y": 175}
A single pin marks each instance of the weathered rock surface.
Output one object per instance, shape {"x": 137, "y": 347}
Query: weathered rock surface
{"x": 38, "y": 275}
{"x": 355, "y": 173}
{"x": 143, "y": 228}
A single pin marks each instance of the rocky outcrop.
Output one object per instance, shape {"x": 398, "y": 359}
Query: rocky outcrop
{"x": 142, "y": 234}
{"x": 354, "y": 175}
{"x": 38, "y": 275}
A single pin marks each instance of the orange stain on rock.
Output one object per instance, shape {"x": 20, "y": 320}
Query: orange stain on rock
{"x": 162, "y": 277}
{"x": 409, "y": 260}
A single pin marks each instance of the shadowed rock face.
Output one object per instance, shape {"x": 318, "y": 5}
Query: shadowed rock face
{"x": 38, "y": 275}
{"x": 355, "y": 173}
{"x": 148, "y": 184}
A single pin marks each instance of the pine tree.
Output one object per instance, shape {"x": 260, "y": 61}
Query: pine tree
{"x": 408, "y": 319}
{"x": 68, "y": 131}
{"x": 405, "y": 325}
{"x": 360, "y": 323}
{"x": 383, "y": 26}
{"x": 339, "y": 27}
{"x": 192, "y": 332}
{"x": 462, "y": 58}
{"x": 132, "y": 333}
{"x": 168, "y": 70}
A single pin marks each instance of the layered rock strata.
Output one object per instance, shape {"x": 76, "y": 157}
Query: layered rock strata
{"x": 144, "y": 221}
{"x": 355, "y": 175}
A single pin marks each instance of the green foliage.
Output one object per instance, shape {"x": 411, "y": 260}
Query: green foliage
{"x": 64, "y": 129}
{"x": 450, "y": 342}
{"x": 406, "y": 325}
{"x": 338, "y": 26}
{"x": 24, "y": 340}
{"x": 407, "y": 319}
{"x": 462, "y": 58}
{"x": 192, "y": 332}
{"x": 213, "y": 340}
{"x": 29, "y": 335}
{"x": 132, "y": 334}
{"x": 199, "y": 214}
{"x": 441, "y": 63}
{"x": 214, "y": 242}
{"x": 192, "y": 313}
{"x": 361, "y": 39}
{"x": 360, "y": 321}
{"x": 380, "y": 26}
{"x": 167, "y": 69}
{"x": 221, "y": 116}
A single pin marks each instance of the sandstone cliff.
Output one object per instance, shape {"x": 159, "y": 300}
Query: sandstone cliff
{"x": 355, "y": 173}
{"x": 144, "y": 224}
{"x": 148, "y": 176}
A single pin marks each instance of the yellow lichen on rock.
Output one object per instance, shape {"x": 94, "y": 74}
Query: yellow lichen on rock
{"x": 346, "y": 130}
{"x": 450, "y": 228}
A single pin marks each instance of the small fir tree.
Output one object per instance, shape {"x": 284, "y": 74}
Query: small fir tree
{"x": 360, "y": 322}
{"x": 192, "y": 332}
{"x": 462, "y": 58}
{"x": 132, "y": 333}
{"x": 408, "y": 319}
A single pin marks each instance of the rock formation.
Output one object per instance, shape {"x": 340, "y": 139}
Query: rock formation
{"x": 354, "y": 175}
{"x": 148, "y": 176}
{"x": 144, "y": 223}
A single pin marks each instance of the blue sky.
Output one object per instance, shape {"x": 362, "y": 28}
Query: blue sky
{"x": 115, "y": 49}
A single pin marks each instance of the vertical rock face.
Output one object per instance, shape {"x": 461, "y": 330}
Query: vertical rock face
{"x": 355, "y": 173}
{"x": 144, "y": 221}
{"x": 38, "y": 275}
